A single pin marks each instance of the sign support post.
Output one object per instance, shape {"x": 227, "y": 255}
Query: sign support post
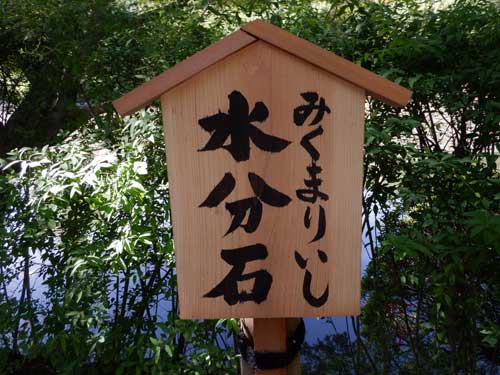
{"x": 270, "y": 335}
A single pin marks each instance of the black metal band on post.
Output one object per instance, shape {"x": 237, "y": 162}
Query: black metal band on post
{"x": 271, "y": 360}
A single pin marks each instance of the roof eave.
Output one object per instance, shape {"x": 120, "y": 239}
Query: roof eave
{"x": 151, "y": 90}
{"x": 375, "y": 85}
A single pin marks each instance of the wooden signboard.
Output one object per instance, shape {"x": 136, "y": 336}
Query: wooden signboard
{"x": 264, "y": 140}
{"x": 266, "y": 191}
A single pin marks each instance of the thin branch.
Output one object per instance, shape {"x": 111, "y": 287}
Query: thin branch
{"x": 365, "y": 349}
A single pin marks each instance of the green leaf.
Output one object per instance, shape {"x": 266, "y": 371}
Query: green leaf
{"x": 140, "y": 167}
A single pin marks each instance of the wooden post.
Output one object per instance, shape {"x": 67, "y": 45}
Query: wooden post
{"x": 269, "y": 335}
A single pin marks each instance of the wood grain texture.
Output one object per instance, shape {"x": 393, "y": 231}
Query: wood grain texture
{"x": 374, "y": 84}
{"x": 262, "y": 72}
{"x": 154, "y": 88}
{"x": 291, "y": 325}
{"x": 269, "y": 335}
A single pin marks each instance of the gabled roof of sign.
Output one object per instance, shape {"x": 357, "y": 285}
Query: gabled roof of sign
{"x": 375, "y": 85}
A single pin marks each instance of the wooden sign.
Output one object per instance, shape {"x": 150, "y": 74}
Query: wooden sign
{"x": 264, "y": 140}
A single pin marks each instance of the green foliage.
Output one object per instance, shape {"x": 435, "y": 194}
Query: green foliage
{"x": 95, "y": 227}
{"x": 432, "y": 182}
{"x": 328, "y": 356}
{"x": 87, "y": 269}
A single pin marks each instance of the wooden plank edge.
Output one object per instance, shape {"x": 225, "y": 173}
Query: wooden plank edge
{"x": 375, "y": 85}
{"x": 151, "y": 90}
